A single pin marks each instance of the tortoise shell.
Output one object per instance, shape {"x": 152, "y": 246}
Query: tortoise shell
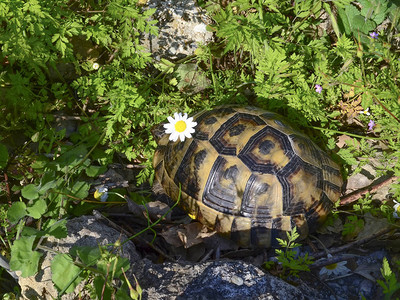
{"x": 247, "y": 174}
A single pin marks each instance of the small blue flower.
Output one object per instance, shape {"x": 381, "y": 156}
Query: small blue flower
{"x": 318, "y": 88}
{"x": 374, "y": 35}
{"x": 371, "y": 124}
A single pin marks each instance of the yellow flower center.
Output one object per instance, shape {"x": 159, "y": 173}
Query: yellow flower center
{"x": 331, "y": 267}
{"x": 180, "y": 126}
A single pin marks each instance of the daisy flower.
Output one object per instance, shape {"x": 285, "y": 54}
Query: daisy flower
{"x": 101, "y": 194}
{"x": 180, "y": 126}
{"x": 338, "y": 268}
{"x": 365, "y": 112}
{"x": 96, "y": 66}
{"x": 318, "y": 88}
{"x": 396, "y": 210}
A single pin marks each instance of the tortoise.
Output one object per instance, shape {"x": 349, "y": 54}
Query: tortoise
{"x": 247, "y": 174}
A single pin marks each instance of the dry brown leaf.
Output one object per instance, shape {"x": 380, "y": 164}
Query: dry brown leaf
{"x": 171, "y": 236}
{"x": 351, "y": 107}
{"x": 369, "y": 271}
{"x": 186, "y": 235}
{"x": 342, "y": 140}
{"x": 189, "y": 234}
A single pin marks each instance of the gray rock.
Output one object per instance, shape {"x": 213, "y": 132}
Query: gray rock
{"x": 369, "y": 176}
{"x": 211, "y": 280}
{"x": 82, "y": 231}
{"x": 182, "y": 27}
{"x": 366, "y": 176}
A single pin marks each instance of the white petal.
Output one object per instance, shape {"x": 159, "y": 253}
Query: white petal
{"x": 323, "y": 271}
{"x": 174, "y": 136}
{"x": 169, "y": 129}
{"x": 103, "y": 189}
{"x": 182, "y": 136}
{"x": 341, "y": 263}
{"x": 190, "y": 123}
{"x": 176, "y": 116}
{"x": 188, "y": 135}
{"x": 104, "y": 197}
{"x": 171, "y": 120}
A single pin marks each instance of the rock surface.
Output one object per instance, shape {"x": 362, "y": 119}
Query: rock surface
{"x": 211, "y": 280}
{"x": 182, "y": 27}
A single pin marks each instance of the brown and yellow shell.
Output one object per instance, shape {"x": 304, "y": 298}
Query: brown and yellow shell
{"x": 247, "y": 174}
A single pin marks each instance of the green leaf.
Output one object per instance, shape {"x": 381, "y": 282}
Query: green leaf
{"x": 385, "y": 270}
{"x": 80, "y": 189}
{"x": 103, "y": 291}
{"x": 30, "y": 192}
{"x": 374, "y": 9}
{"x": 3, "y": 156}
{"x": 88, "y": 255}
{"x": 71, "y": 158}
{"x": 48, "y": 185}
{"x": 61, "y": 46}
{"x": 16, "y": 212}
{"x": 347, "y": 156}
{"x": 352, "y": 22}
{"x": 192, "y": 78}
{"x": 55, "y": 228}
{"x": 94, "y": 171}
{"x": 35, "y": 137}
{"x": 65, "y": 274}
{"x": 30, "y": 231}
{"x": 123, "y": 294}
{"x": 37, "y": 209}
{"x": 116, "y": 264}
{"x": 23, "y": 258}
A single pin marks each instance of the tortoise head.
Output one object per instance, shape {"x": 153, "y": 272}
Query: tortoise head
{"x": 161, "y": 138}
{"x": 158, "y": 132}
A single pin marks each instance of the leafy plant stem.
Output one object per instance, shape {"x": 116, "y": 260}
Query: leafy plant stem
{"x": 214, "y": 81}
{"x": 164, "y": 72}
{"x": 156, "y": 222}
{"x": 89, "y": 152}
{"x": 333, "y": 19}
{"x": 385, "y": 108}
{"x": 349, "y": 134}
{"x": 363, "y": 70}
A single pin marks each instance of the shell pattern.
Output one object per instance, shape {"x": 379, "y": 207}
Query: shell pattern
{"x": 247, "y": 174}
